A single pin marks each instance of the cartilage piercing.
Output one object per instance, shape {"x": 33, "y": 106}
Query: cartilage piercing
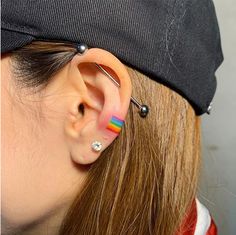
{"x": 143, "y": 109}
{"x": 115, "y": 124}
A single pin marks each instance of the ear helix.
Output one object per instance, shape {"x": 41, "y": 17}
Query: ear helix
{"x": 81, "y": 48}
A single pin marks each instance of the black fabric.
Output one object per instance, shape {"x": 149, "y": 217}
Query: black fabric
{"x": 11, "y": 40}
{"x": 176, "y": 43}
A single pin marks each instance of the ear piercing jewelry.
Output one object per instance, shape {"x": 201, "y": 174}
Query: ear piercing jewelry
{"x": 115, "y": 124}
{"x": 143, "y": 109}
{"x": 209, "y": 108}
{"x": 96, "y": 146}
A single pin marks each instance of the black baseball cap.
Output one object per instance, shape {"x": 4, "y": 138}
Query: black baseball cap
{"x": 176, "y": 43}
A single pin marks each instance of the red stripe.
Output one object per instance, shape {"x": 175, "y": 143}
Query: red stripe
{"x": 213, "y": 229}
{"x": 188, "y": 225}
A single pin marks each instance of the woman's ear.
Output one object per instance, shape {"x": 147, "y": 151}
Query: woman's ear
{"x": 98, "y": 110}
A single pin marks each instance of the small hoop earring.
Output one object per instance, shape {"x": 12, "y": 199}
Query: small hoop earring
{"x": 96, "y": 146}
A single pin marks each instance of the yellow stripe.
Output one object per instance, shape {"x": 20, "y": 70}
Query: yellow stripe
{"x": 113, "y": 128}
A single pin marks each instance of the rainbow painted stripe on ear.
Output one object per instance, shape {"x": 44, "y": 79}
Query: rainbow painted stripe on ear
{"x": 115, "y": 124}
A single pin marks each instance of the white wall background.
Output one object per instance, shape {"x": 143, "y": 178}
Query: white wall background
{"x": 218, "y": 186}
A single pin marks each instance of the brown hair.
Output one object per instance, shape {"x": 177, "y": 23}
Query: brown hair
{"x": 146, "y": 180}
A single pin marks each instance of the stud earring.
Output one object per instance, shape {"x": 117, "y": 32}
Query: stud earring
{"x": 96, "y": 146}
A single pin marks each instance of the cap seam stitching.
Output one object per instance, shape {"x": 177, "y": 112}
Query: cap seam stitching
{"x": 17, "y": 27}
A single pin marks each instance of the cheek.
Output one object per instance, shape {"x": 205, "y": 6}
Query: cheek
{"x": 29, "y": 185}
{"x": 27, "y": 180}
{"x": 17, "y": 165}
{"x": 38, "y": 176}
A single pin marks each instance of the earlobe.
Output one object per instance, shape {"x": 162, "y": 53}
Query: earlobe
{"x": 91, "y": 133}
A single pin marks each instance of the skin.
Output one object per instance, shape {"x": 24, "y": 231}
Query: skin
{"x": 46, "y": 142}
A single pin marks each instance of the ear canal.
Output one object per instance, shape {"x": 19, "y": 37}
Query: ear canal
{"x": 81, "y": 109}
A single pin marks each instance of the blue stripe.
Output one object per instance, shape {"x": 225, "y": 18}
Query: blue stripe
{"x": 114, "y": 119}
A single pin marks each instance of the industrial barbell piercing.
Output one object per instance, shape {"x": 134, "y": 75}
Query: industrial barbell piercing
{"x": 143, "y": 109}
{"x": 81, "y": 48}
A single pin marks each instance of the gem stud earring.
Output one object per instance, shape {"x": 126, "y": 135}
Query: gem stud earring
{"x": 96, "y": 146}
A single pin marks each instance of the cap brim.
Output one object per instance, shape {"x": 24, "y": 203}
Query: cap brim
{"x": 11, "y": 40}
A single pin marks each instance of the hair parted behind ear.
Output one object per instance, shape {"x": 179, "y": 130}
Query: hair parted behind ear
{"x": 146, "y": 180}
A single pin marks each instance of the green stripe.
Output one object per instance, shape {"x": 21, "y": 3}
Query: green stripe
{"x": 116, "y": 123}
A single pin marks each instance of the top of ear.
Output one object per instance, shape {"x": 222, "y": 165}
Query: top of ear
{"x": 104, "y": 105}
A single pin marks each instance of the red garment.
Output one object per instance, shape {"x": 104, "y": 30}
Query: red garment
{"x": 198, "y": 221}
{"x": 213, "y": 229}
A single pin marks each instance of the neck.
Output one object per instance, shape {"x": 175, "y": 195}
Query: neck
{"x": 48, "y": 225}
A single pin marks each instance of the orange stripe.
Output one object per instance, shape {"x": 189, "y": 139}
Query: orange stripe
{"x": 113, "y": 128}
